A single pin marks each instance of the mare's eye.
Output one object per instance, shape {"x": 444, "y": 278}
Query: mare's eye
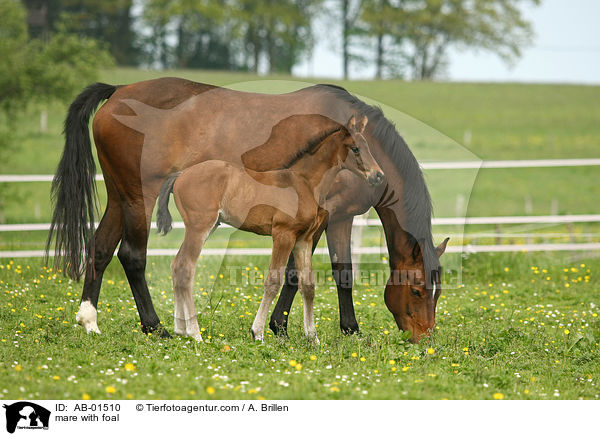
{"x": 415, "y": 292}
{"x": 354, "y": 149}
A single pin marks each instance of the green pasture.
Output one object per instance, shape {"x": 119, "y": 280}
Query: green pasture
{"x": 524, "y": 326}
{"x": 513, "y": 326}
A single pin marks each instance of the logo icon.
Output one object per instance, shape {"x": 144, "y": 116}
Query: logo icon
{"x": 26, "y": 415}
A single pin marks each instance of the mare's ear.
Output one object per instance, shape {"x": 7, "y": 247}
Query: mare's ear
{"x": 363, "y": 124}
{"x": 416, "y": 251}
{"x": 352, "y": 124}
{"x": 440, "y": 249}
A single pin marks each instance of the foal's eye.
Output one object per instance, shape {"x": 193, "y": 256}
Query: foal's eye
{"x": 415, "y": 292}
{"x": 354, "y": 149}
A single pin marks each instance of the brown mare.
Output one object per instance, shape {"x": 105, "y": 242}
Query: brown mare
{"x": 285, "y": 204}
{"x": 147, "y": 131}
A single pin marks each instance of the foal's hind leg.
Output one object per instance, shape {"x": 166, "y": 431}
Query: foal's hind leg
{"x": 183, "y": 270}
{"x": 306, "y": 284}
{"x": 283, "y": 243}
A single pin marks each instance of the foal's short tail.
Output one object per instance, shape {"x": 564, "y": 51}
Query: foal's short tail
{"x": 74, "y": 185}
{"x": 163, "y": 216}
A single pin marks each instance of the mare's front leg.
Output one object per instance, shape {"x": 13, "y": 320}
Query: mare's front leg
{"x": 306, "y": 283}
{"x": 338, "y": 242}
{"x": 283, "y": 242}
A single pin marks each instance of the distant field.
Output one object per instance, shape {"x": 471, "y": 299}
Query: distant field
{"x": 505, "y": 121}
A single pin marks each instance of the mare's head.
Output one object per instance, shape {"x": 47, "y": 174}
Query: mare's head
{"x": 358, "y": 157}
{"x": 411, "y": 294}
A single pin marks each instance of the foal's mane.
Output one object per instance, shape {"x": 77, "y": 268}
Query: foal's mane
{"x": 314, "y": 129}
{"x": 415, "y": 195}
{"x": 312, "y": 145}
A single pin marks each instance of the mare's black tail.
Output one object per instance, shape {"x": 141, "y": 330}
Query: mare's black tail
{"x": 163, "y": 216}
{"x": 74, "y": 187}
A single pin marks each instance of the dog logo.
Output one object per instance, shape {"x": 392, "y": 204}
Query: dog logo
{"x": 26, "y": 415}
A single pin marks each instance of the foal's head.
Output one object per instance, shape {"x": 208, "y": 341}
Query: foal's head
{"x": 358, "y": 157}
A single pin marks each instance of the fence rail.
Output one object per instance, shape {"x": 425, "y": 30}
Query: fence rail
{"x": 361, "y": 222}
{"x": 357, "y": 251}
{"x": 458, "y": 165}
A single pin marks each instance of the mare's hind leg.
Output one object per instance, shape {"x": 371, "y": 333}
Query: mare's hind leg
{"x": 132, "y": 254}
{"x": 106, "y": 238}
{"x": 183, "y": 270}
{"x": 306, "y": 283}
{"x": 283, "y": 242}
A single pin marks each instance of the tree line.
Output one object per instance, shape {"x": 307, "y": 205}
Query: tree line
{"x": 399, "y": 38}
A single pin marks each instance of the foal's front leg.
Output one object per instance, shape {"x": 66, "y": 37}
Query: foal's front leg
{"x": 282, "y": 247}
{"x": 306, "y": 284}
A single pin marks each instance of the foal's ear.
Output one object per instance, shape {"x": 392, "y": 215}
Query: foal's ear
{"x": 352, "y": 123}
{"x": 440, "y": 249}
{"x": 363, "y": 124}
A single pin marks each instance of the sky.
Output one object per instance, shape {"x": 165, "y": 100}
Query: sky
{"x": 565, "y": 49}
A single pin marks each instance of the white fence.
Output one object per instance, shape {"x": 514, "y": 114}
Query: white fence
{"x": 363, "y": 222}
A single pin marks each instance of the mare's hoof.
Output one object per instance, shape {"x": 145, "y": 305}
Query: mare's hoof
{"x": 279, "y": 328}
{"x": 350, "y": 330}
{"x": 158, "y": 330}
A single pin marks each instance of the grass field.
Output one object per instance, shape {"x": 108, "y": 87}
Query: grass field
{"x": 522, "y": 325}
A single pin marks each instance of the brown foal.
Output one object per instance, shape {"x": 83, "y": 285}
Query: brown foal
{"x": 286, "y": 204}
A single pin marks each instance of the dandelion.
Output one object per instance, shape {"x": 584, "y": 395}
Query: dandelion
{"x": 129, "y": 367}
{"x": 18, "y": 368}
{"x": 298, "y": 367}
{"x": 293, "y": 363}
{"x": 86, "y": 397}
{"x": 334, "y": 389}
{"x": 313, "y": 357}
{"x": 430, "y": 351}
{"x": 392, "y": 362}
{"x": 498, "y": 396}
{"x": 56, "y": 377}
{"x": 210, "y": 390}
{"x": 111, "y": 390}
{"x": 362, "y": 359}
{"x": 354, "y": 355}
{"x": 405, "y": 368}
{"x": 566, "y": 332}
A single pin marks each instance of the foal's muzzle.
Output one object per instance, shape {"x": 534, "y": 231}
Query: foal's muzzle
{"x": 375, "y": 178}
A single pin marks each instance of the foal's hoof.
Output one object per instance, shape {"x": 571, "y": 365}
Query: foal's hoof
{"x": 279, "y": 328}
{"x": 256, "y": 336}
{"x": 158, "y": 330}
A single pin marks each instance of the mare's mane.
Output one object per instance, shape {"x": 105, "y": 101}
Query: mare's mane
{"x": 415, "y": 195}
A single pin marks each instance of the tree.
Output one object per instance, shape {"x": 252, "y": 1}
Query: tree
{"x": 429, "y": 28}
{"x": 32, "y": 69}
{"x": 350, "y": 11}
{"x": 383, "y": 21}
{"x": 109, "y": 21}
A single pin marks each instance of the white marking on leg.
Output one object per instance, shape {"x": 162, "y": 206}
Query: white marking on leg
{"x": 87, "y": 317}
